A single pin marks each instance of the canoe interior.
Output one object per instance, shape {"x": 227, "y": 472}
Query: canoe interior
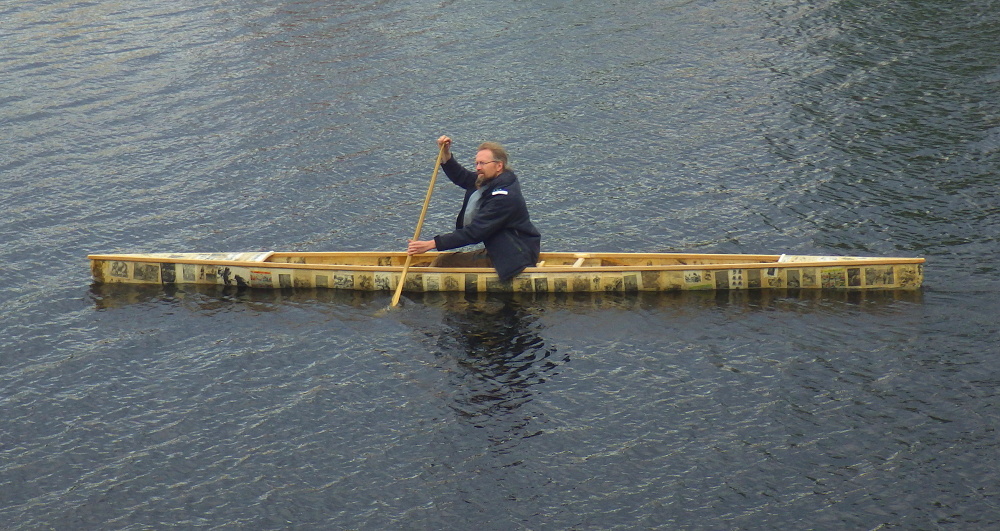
{"x": 545, "y": 260}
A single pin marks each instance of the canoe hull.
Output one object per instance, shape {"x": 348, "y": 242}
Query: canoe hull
{"x": 559, "y": 272}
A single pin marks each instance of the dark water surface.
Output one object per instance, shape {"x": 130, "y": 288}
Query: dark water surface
{"x": 827, "y": 127}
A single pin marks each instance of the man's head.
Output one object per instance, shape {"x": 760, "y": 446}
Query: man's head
{"x": 491, "y": 160}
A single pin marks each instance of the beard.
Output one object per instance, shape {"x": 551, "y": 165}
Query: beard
{"x": 481, "y": 180}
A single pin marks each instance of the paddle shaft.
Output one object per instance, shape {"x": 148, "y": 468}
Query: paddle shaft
{"x": 420, "y": 225}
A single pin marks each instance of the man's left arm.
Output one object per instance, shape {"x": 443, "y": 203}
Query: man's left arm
{"x": 493, "y": 215}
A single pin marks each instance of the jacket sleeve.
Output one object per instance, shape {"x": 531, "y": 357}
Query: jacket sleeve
{"x": 458, "y": 174}
{"x": 492, "y": 216}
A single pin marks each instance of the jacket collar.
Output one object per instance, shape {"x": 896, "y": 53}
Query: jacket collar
{"x": 504, "y": 179}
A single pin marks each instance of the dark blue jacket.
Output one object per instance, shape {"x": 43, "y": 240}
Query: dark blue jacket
{"x": 502, "y": 222}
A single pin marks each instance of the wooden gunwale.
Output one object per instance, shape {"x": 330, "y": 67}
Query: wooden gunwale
{"x": 762, "y": 262}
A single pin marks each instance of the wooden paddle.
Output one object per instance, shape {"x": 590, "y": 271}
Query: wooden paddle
{"x": 420, "y": 225}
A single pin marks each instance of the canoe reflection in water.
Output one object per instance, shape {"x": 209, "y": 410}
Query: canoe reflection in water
{"x": 484, "y": 355}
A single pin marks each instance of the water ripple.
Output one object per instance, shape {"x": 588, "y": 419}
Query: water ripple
{"x": 781, "y": 126}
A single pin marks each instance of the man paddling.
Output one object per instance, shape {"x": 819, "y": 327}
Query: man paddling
{"x": 493, "y": 213}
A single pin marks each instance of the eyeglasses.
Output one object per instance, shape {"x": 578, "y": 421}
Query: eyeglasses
{"x": 478, "y": 164}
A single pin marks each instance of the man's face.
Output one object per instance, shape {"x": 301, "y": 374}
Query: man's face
{"x": 486, "y": 166}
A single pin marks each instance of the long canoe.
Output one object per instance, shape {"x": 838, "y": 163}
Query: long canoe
{"x": 555, "y": 272}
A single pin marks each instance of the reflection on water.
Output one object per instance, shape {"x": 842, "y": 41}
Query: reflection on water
{"x": 485, "y": 358}
{"x": 500, "y": 357}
